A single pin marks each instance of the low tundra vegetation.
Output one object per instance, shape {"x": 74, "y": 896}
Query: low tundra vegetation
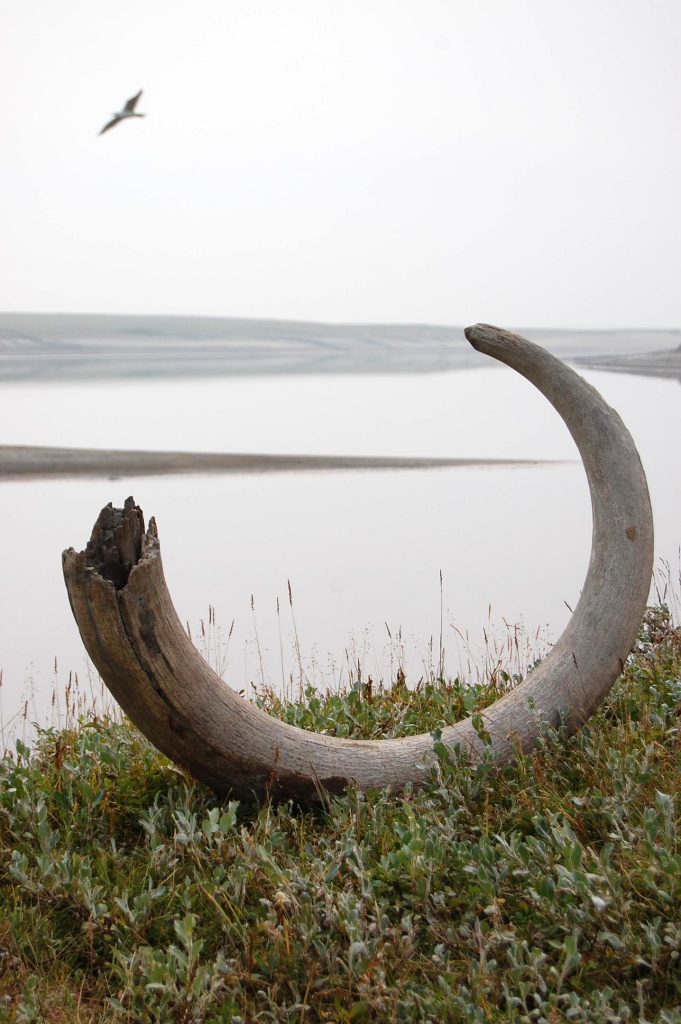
{"x": 543, "y": 892}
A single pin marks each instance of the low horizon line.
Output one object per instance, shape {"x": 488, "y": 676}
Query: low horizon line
{"x": 331, "y": 322}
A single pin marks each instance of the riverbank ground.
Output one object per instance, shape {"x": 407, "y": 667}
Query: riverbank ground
{"x": 547, "y": 891}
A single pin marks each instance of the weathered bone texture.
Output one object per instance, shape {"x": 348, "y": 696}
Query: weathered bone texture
{"x": 133, "y": 635}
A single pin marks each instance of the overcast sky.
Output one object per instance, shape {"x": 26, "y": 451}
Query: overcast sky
{"x": 514, "y": 161}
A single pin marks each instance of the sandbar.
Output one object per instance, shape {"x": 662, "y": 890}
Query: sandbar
{"x": 666, "y": 363}
{"x": 32, "y": 462}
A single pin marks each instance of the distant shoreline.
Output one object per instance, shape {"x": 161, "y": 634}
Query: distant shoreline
{"x": 80, "y": 348}
{"x": 666, "y": 364}
{"x": 18, "y": 462}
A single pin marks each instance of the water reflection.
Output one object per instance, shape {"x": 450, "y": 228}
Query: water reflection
{"x": 363, "y": 551}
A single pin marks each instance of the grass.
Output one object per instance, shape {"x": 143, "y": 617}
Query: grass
{"x": 544, "y": 892}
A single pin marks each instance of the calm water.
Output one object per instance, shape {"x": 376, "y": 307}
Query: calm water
{"x": 363, "y": 550}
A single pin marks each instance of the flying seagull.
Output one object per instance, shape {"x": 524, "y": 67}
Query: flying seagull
{"x": 127, "y": 111}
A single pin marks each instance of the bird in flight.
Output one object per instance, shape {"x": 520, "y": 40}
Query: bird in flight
{"x": 127, "y": 111}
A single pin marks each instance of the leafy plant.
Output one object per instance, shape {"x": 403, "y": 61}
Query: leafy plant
{"x": 545, "y": 891}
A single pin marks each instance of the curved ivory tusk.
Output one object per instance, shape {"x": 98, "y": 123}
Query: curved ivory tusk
{"x": 133, "y": 635}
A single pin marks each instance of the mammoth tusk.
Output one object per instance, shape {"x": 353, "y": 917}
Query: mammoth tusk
{"x": 132, "y": 633}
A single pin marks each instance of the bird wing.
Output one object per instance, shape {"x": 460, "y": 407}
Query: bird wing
{"x": 110, "y": 124}
{"x": 130, "y": 105}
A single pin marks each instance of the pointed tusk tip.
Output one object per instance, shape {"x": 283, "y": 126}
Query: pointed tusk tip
{"x": 480, "y": 334}
{"x": 489, "y": 339}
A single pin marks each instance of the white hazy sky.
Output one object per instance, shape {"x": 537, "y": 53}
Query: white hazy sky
{"x": 515, "y": 161}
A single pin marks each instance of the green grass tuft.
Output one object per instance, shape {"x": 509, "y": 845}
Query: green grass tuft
{"x": 543, "y": 892}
